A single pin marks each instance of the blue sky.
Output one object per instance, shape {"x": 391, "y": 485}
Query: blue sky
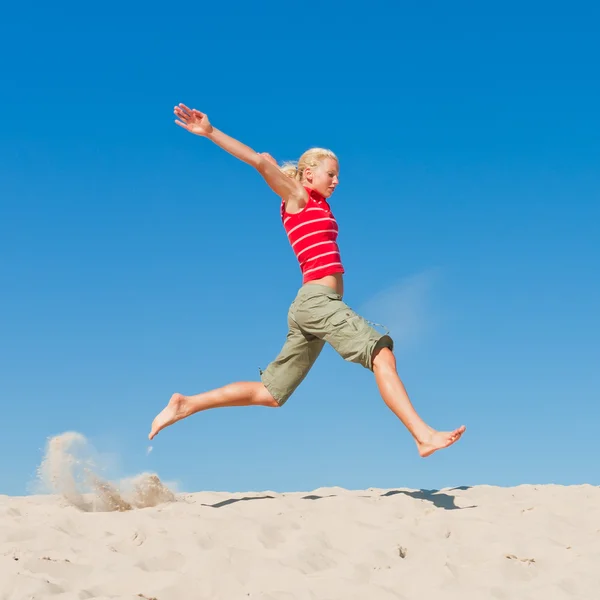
{"x": 137, "y": 260}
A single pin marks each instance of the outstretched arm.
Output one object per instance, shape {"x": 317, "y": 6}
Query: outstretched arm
{"x": 196, "y": 122}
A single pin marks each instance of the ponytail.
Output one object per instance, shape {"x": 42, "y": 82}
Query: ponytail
{"x": 290, "y": 169}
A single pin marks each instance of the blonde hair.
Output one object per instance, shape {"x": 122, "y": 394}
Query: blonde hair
{"x": 311, "y": 158}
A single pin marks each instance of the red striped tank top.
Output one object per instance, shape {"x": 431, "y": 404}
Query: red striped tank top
{"x": 313, "y": 233}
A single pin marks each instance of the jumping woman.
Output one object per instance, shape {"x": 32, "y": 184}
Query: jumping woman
{"x": 318, "y": 314}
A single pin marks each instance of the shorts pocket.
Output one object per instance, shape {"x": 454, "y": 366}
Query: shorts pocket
{"x": 347, "y": 320}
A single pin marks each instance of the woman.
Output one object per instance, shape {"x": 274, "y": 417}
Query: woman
{"x": 318, "y": 314}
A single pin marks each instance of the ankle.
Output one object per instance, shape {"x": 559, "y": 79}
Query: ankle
{"x": 180, "y": 403}
{"x": 423, "y": 434}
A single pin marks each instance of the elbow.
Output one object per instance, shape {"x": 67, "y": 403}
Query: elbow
{"x": 259, "y": 162}
{"x": 264, "y": 159}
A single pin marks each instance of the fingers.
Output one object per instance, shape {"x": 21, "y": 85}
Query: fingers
{"x": 185, "y": 111}
{"x": 182, "y": 114}
{"x": 184, "y": 125}
{"x": 181, "y": 106}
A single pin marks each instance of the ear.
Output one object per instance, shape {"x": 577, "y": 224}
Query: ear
{"x": 308, "y": 174}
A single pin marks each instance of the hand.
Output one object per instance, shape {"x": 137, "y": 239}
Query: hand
{"x": 193, "y": 120}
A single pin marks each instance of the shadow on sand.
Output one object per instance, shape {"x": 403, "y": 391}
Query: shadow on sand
{"x": 436, "y": 497}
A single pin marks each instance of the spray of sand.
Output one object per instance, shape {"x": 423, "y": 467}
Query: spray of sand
{"x": 70, "y": 468}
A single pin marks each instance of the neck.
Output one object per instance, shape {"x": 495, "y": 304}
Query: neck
{"x": 314, "y": 192}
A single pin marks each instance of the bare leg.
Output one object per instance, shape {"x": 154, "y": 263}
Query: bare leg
{"x": 243, "y": 393}
{"x": 394, "y": 395}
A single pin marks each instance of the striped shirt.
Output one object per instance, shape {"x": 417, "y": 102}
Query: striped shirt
{"x": 313, "y": 234}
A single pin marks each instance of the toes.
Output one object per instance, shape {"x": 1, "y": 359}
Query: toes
{"x": 458, "y": 432}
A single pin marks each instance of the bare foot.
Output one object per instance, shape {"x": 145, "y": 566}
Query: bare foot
{"x": 173, "y": 412}
{"x": 439, "y": 440}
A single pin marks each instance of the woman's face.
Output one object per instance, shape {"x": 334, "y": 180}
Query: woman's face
{"x": 324, "y": 177}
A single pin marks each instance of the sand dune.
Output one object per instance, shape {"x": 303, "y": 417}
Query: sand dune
{"x": 520, "y": 543}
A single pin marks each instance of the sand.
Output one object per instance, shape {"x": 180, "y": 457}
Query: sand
{"x": 139, "y": 540}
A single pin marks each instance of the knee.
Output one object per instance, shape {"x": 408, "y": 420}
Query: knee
{"x": 383, "y": 359}
{"x": 265, "y": 398}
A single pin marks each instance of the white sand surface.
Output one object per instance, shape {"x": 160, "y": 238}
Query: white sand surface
{"x": 525, "y": 542}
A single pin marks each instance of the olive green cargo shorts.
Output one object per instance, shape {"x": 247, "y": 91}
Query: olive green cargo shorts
{"x": 318, "y": 315}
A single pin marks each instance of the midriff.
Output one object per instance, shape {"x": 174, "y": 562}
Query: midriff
{"x": 334, "y": 281}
